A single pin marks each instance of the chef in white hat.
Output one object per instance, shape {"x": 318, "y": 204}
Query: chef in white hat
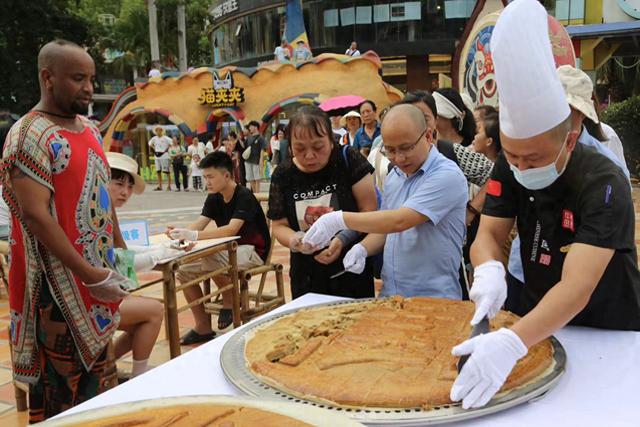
{"x": 574, "y": 214}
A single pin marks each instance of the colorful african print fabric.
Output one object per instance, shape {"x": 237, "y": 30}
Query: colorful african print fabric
{"x": 64, "y": 382}
{"x": 73, "y": 166}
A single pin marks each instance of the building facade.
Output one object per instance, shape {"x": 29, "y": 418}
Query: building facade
{"x": 416, "y": 40}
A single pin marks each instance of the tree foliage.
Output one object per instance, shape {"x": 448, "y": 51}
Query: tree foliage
{"x": 25, "y": 26}
{"x": 624, "y": 117}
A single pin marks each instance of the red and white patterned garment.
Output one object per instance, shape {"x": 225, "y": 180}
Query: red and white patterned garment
{"x": 73, "y": 166}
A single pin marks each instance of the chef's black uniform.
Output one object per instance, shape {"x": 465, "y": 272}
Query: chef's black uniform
{"x": 589, "y": 203}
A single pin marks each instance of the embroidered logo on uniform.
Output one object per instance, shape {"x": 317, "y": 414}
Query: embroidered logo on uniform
{"x": 545, "y": 259}
{"x": 544, "y": 245}
{"x": 494, "y": 188}
{"x": 567, "y": 220}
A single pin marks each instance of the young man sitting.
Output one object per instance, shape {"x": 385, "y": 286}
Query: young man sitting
{"x": 235, "y": 212}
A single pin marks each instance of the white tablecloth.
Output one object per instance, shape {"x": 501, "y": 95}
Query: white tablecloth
{"x": 599, "y": 388}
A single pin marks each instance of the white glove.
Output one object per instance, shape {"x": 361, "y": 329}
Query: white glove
{"x": 296, "y": 245}
{"x": 493, "y": 356}
{"x": 184, "y": 234}
{"x": 323, "y": 230}
{"x": 355, "y": 259}
{"x": 489, "y": 290}
{"x": 109, "y": 289}
{"x": 145, "y": 261}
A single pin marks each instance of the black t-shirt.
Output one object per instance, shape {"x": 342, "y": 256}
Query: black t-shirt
{"x": 589, "y": 203}
{"x": 243, "y": 205}
{"x": 302, "y": 198}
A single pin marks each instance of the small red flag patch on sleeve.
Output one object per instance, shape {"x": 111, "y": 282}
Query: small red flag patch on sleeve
{"x": 494, "y": 188}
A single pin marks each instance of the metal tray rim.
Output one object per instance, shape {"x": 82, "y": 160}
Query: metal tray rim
{"x": 238, "y": 374}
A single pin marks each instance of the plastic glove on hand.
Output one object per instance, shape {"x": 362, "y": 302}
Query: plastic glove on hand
{"x": 354, "y": 261}
{"x": 296, "y": 245}
{"x": 489, "y": 290}
{"x": 109, "y": 289}
{"x": 184, "y": 234}
{"x": 323, "y": 230}
{"x": 492, "y": 357}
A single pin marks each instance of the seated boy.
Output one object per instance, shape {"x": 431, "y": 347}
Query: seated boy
{"x": 235, "y": 212}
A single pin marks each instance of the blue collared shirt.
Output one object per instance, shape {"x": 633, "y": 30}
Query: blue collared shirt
{"x": 362, "y": 138}
{"x": 424, "y": 260}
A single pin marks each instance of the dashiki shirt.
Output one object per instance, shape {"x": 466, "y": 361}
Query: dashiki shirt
{"x": 73, "y": 166}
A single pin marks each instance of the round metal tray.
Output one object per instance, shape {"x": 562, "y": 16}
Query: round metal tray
{"x": 313, "y": 416}
{"x": 234, "y": 366}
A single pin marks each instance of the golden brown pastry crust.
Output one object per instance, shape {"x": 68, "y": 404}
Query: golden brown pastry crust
{"x": 198, "y": 415}
{"x": 384, "y": 353}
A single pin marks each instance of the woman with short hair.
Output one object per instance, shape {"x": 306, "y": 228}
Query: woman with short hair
{"x": 321, "y": 177}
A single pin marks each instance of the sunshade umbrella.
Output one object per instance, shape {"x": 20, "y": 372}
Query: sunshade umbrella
{"x": 340, "y": 105}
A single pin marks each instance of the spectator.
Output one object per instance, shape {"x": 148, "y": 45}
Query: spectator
{"x": 252, "y": 163}
{"x": 351, "y": 122}
{"x": 353, "y": 50}
{"x": 338, "y": 130}
{"x": 455, "y": 120}
{"x": 155, "y": 70}
{"x": 487, "y": 139}
{"x": 301, "y": 53}
{"x": 234, "y": 150}
{"x": 281, "y": 53}
{"x": 160, "y": 144}
{"x": 208, "y": 147}
{"x": 422, "y": 213}
{"x": 275, "y": 147}
{"x": 196, "y": 152}
{"x": 177, "y": 154}
{"x": 235, "y": 212}
{"x": 320, "y": 178}
{"x": 370, "y": 129}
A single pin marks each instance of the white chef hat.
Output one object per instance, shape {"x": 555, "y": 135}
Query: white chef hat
{"x": 531, "y": 97}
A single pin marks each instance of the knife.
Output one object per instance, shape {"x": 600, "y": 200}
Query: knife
{"x": 480, "y": 328}
{"x": 340, "y": 273}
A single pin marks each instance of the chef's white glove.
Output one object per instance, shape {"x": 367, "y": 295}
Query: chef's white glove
{"x": 489, "y": 290}
{"x": 109, "y": 289}
{"x": 323, "y": 230}
{"x": 184, "y": 234}
{"x": 296, "y": 245}
{"x": 355, "y": 259}
{"x": 492, "y": 357}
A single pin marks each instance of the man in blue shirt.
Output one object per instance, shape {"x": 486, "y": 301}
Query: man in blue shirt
{"x": 422, "y": 222}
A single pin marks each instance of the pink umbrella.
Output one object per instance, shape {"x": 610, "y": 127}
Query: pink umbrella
{"x": 340, "y": 105}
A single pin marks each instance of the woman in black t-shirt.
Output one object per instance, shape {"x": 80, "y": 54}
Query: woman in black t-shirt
{"x": 321, "y": 177}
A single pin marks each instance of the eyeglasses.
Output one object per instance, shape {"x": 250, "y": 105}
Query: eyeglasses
{"x": 403, "y": 151}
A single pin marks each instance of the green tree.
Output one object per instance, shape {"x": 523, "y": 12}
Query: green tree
{"x": 24, "y": 28}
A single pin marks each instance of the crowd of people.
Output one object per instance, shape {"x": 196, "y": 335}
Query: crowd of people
{"x": 524, "y": 206}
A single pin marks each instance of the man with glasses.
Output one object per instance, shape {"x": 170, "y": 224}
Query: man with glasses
{"x": 422, "y": 222}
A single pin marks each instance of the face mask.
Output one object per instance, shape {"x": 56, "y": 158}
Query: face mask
{"x": 539, "y": 178}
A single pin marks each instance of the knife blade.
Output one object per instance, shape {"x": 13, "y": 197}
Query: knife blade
{"x": 339, "y": 273}
{"x": 480, "y": 328}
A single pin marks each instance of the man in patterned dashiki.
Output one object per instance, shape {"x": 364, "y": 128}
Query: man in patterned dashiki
{"x": 63, "y": 291}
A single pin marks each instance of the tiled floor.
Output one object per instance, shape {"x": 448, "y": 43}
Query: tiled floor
{"x": 9, "y": 417}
